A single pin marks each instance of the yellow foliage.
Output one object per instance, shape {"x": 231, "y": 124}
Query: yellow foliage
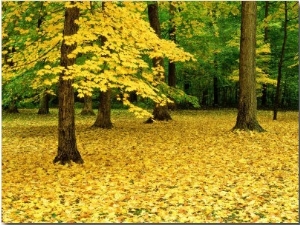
{"x": 192, "y": 169}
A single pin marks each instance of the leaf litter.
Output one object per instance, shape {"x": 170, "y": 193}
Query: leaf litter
{"x": 190, "y": 169}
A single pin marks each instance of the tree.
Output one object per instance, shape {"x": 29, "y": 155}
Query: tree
{"x": 103, "y": 119}
{"x": 172, "y": 35}
{"x": 87, "y": 106}
{"x": 67, "y": 147}
{"x": 280, "y": 63}
{"x": 44, "y": 103}
{"x": 160, "y": 112}
{"x": 246, "y": 117}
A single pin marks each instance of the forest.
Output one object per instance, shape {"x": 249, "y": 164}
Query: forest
{"x": 167, "y": 111}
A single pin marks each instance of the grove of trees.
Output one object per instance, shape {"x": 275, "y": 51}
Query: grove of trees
{"x": 154, "y": 54}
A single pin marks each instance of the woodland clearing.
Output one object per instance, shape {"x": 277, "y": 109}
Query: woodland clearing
{"x": 190, "y": 169}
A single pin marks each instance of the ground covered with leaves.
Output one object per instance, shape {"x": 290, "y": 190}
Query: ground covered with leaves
{"x": 190, "y": 169}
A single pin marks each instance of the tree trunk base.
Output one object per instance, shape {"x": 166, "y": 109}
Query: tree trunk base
{"x": 251, "y": 126}
{"x": 86, "y": 112}
{"x": 103, "y": 125}
{"x": 12, "y": 109}
{"x": 43, "y": 111}
{"x": 161, "y": 113}
{"x": 66, "y": 158}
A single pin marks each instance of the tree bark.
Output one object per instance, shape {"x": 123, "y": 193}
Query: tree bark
{"x": 67, "y": 147}
{"x": 104, "y": 111}
{"x": 172, "y": 35}
{"x": 266, "y": 31}
{"x": 247, "y": 109}
{"x": 280, "y": 64}
{"x": 216, "y": 92}
{"x": 44, "y": 103}
{"x": 87, "y": 106}
{"x": 264, "y": 96}
{"x": 160, "y": 112}
{"x": 12, "y": 107}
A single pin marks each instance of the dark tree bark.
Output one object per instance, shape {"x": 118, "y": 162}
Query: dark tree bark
{"x": 264, "y": 96}
{"x": 160, "y": 112}
{"x": 172, "y": 35}
{"x": 67, "y": 147}
{"x": 266, "y": 35}
{"x": 280, "y": 64}
{"x": 216, "y": 92}
{"x": 104, "y": 111}
{"x": 246, "y": 118}
{"x": 12, "y": 107}
{"x": 44, "y": 103}
{"x": 87, "y": 106}
{"x": 204, "y": 97}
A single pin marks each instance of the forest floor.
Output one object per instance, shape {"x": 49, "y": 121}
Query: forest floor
{"x": 190, "y": 169}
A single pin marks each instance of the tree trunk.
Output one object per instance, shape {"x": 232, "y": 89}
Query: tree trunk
{"x": 159, "y": 112}
{"x": 216, "y": 92}
{"x": 44, "y": 103}
{"x": 12, "y": 108}
{"x": 266, "y": 31}
{"x": 104, "y": 111}
{"x": 280, "y": 64}
{"x": 103, "y": 117}
{"x": 67, "y": 147}
{"x": 87, "y": 106}
{"x": 264, "y": 96}
{"x": 172, "y": 34}
{"x": 246, "y": 118}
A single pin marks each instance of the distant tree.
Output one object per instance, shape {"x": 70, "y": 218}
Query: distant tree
{"x": 67, "y": 147}
{"x": 247, "y": 108}
{"x": 44, "y": 103}
{"x": 87, "y": 106}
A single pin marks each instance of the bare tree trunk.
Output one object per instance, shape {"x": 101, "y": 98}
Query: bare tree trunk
{"x": 266, "y": 35}
{"x": 67, "y": 147}
{"x": 280, "y": 64}
{"x": 104, "y": 111}
{"x": 44, "y": 103}
{"x": 87, "y": 106}
{"x": 160, "y": 112}
{"x": 246, "y": 118}
{"x": 12, "y": 107}
{"x": 172, "y": 34}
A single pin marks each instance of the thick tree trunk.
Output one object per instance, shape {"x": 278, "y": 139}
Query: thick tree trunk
{"x": 87, "y": 106}
{"x": 159, "y": 112}
{"x": 44, "y": 103}
{"x": 280, "y": 64}
{"x": 104, "y": 111}
{"x": 67, "y": 147}
{"x": 246, "y": 118}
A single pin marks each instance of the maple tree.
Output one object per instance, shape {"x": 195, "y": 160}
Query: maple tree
{"x": 67, "y": 146}
{"x": 246, "y": 118}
